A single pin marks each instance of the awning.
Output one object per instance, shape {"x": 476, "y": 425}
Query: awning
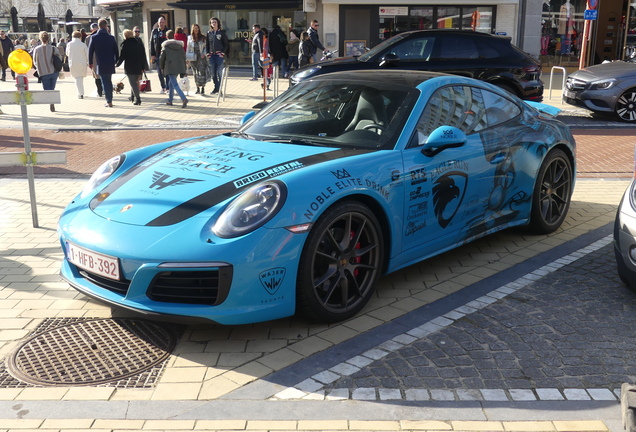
{"x": 238, "y": 4}
{"x": 118, "y": 4}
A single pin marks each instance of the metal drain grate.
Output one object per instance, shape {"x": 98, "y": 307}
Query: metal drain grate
{"x": 93, "y": 352}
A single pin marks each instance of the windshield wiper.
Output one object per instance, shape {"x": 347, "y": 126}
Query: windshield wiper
{"x": 242, "y": 135}
{"x": 300, "y": 141}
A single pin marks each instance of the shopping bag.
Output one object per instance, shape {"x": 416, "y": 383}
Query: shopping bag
{"x": 144, "y": 84}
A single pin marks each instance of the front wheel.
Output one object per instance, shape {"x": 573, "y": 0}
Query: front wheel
{"x": 552, "y": 193}
{"x": 340, "y": 263}
{"x": 626, "y": 106}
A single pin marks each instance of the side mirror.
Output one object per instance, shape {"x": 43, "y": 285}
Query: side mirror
{"x": 442, "y": 138}
{"x": 247, "y": 116}
{"x": 389, "y": 59}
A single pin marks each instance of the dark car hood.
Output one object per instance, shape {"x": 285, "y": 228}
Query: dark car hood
{"x": 615, "y": 69}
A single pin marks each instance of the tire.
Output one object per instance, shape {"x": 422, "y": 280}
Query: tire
{"x": 626, "y": 106}
{"x": 340, "y": 263}
{"x": 552, "y": 193}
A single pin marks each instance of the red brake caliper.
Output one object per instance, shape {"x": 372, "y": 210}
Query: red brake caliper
{"x": 357, "y": 260}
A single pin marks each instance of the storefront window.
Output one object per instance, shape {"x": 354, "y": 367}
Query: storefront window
{"x": 238, "y": 26}
{"x": 561, "y": 29}
{"x": 448, "y": 17}
{"x": 421, "y": 18}
{"x": 128, "y": 19}
{"x": 431, "y": 17}
{"x": 477, "y": 18}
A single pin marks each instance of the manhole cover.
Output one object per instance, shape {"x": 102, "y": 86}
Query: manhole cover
{"x": 91, "y": 352}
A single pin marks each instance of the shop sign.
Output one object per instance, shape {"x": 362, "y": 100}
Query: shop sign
{"x": 394, "y": 11}
{"x": 309, "y": 5}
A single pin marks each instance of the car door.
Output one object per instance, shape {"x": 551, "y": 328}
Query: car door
{"x": 412, "y": 53}
{"x": 458, "y": 55}
{"x": 448, "y": 191}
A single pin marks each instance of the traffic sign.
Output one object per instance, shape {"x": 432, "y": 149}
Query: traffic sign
{"x": 590, "y": 14}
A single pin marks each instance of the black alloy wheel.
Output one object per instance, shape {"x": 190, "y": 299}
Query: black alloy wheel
{"x": 552, "y": 193}
{"x": 340, "y": 263}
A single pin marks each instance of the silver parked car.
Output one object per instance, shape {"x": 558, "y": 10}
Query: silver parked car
{"x": 605, "y": 88}
{"x": 625, "y": 237}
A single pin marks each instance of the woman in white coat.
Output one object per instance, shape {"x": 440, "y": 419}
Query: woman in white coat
{"x": 77, "y": 54}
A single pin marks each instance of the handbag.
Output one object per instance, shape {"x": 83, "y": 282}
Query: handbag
{"x": 191, "y": 56}
{"x": 144, "y": 84}
{"x": 57, "y": 62}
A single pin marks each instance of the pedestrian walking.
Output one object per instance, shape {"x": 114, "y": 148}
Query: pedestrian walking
{"x": 278, "y": 49}
{"x": 133, "y": 56}
{"x": 98, "y": 82}
{"x": 103, "y": 48}
{"x": 43, "y": 61}
{"x": 257, "y": 51}
{"x": 292, "y": 50}
{"x": 312, "y": 31}
{"x": 196, "y": 53}
{"x": 217, "y": 47}
{"x": 180, "y": 35}
{"x": 6, "y": 47}
{"x": 157, "y": 38}
{"x": 304, "y": 51}
{"x": 173, "y": 63}
{"x": 77, "y": 55}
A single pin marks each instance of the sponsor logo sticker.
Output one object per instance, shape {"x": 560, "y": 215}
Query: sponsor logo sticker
{"x": 272, "y": 279}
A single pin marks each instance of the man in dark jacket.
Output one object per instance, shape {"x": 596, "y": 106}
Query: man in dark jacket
{"x": 98, "y": 82}
{"x": 103, "y": 48}
{"x": 315, "y": 40}
{"x": 257, "y": 50}
{"x": 6, "y": 46}
{"x": 217, "y": 45}
{"x": 158, "y": 37}
{"x": 278, "y": 49}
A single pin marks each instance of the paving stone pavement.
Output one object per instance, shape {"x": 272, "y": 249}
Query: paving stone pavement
{"x": 564, "y": 336}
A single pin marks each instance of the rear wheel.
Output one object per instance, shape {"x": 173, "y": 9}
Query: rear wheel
{"x": 340, "y": 263}
{"x": 552, "y": 193}
{"x": 626, "y": 106}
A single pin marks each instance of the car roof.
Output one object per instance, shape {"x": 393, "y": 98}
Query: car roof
{"x": 407, "y": 78}
{"x": 470, "y": 33}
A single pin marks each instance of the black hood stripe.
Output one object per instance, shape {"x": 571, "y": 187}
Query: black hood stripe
{"x": 219, "y": 194}
{"x": 141, "y": 167}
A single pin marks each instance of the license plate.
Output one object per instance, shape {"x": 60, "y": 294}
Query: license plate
{"x": 93, "y": 262}
{"x": 568, "y": 94}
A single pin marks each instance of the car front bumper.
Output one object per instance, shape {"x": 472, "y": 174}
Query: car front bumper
{"x": 593, "y": 100}
{"x": 165, "y": 270}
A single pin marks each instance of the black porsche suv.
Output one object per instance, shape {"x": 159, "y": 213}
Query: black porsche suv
{"x": 486, "y": 57}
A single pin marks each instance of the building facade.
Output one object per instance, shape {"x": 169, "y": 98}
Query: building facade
{"x": 550, "y": 30}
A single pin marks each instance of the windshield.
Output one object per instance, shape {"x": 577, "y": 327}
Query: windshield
{"x": 381, "y": 47}
{"x": 336, "y": 114}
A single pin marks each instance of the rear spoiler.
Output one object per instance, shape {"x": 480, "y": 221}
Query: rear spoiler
{"x": 548, "y": 110}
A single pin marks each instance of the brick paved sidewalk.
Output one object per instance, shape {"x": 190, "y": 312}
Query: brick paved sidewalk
{"x": 602, "y": 153}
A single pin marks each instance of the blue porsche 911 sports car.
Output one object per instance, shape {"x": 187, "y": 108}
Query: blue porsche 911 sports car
{"x": 339, "y": 180}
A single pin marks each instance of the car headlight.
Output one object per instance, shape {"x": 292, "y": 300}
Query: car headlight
{"x": 252, "y": 209}
{"x": 305, "y": 73}
{"x": 103, "y": 172}
{"x": 603, "y": 84}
